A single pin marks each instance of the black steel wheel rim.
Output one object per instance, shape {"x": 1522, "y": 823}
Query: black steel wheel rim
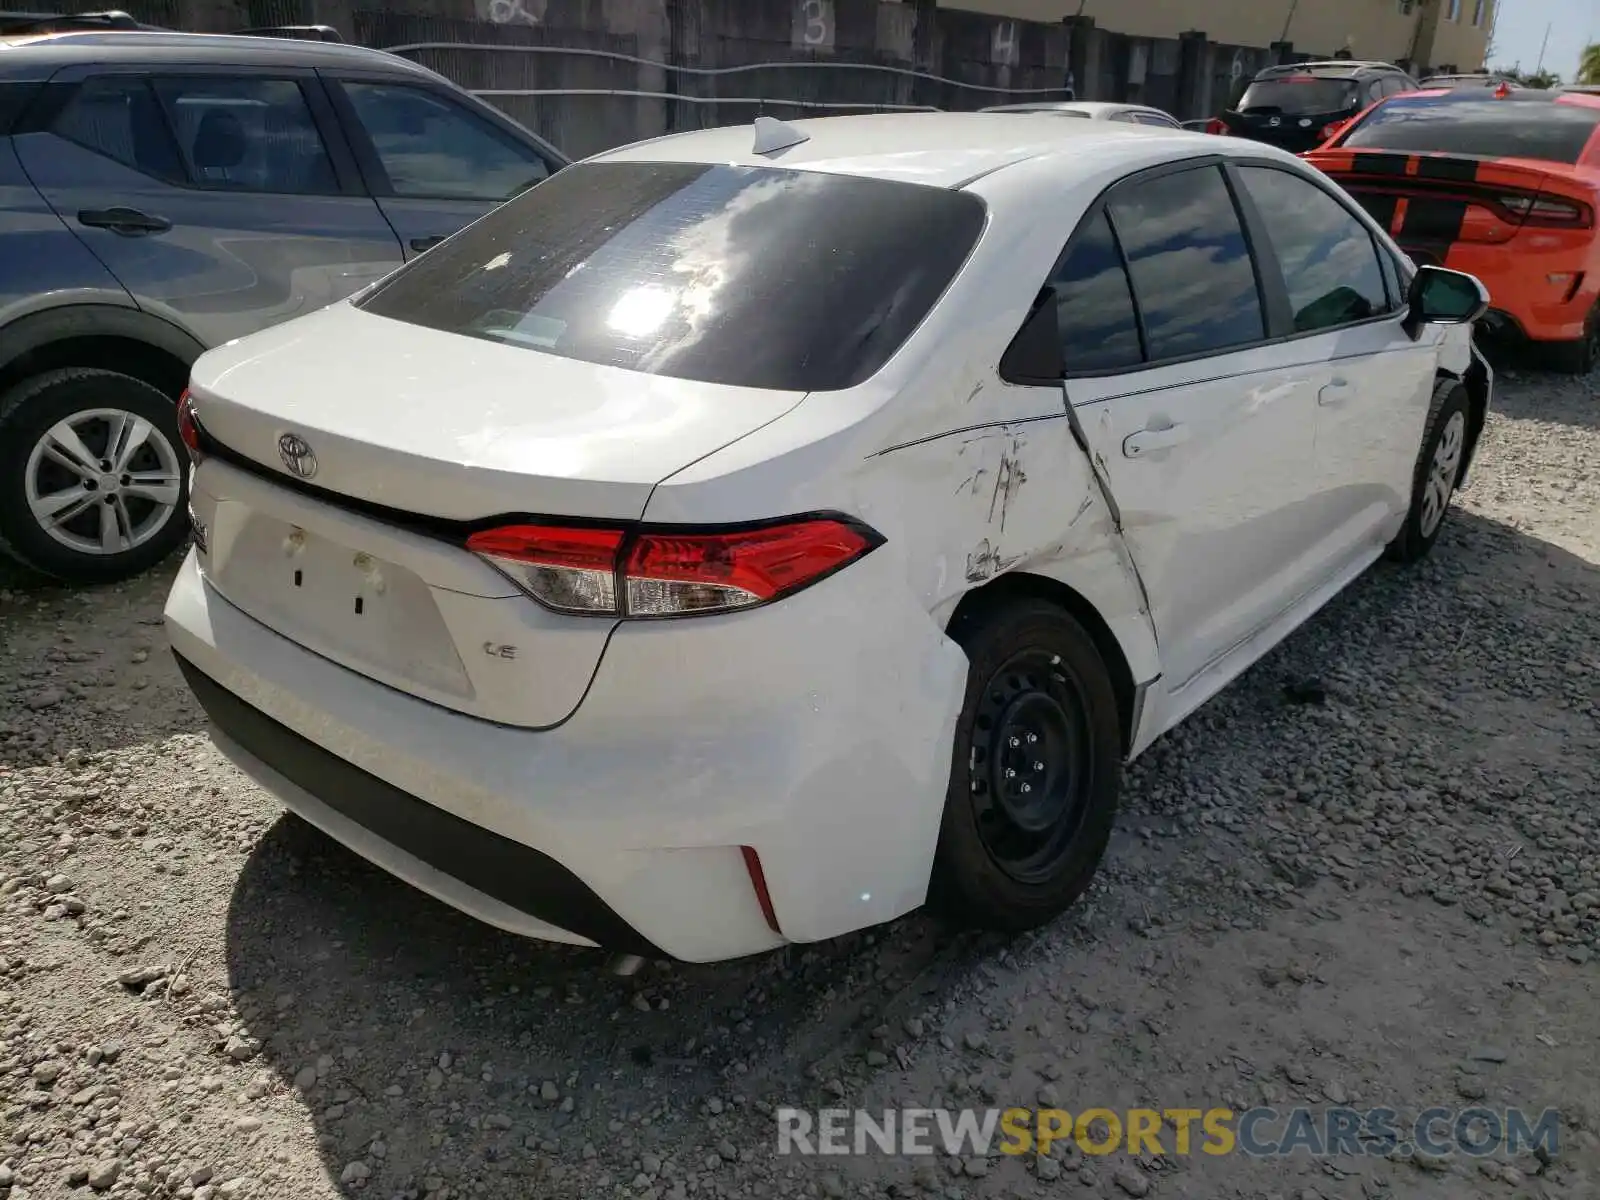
{"x": 1031, "y": 764}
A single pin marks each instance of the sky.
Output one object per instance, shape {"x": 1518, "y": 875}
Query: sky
{"x": 1520, "y": 28}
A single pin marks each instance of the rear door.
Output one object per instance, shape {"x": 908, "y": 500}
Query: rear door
{"x": 218, "y": 200}
{"x": 435, "y": 163}
{"x": 1200, "y": 425}
{"x": 1346, "y": 311}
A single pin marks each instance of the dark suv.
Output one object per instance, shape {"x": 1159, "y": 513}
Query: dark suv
{"x": 1296, "y": 106}
{"x": 163, "y": 193}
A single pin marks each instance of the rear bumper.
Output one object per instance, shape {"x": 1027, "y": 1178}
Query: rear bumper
{"x": 342, "y": 798}
{"x": 816, "y": 732}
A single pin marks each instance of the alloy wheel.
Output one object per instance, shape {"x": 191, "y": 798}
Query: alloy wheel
{"x": 103, "y": 481}
{"x": 1443, "y": 472}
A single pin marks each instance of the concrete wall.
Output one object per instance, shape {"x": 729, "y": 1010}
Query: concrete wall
{"x": 591, "y": 74}
{"x": 1377, "y": 29}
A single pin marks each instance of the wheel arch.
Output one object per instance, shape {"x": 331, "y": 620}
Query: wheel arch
{"x": 981, "y": 602}
{"x": 98, "y": 335}
{"x": 1476, "y": 380}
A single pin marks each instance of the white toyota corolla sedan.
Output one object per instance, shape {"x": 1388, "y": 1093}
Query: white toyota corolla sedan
{"x": 750, "y": 535}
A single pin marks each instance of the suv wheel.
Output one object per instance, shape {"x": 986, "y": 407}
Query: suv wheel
{"x": 93, "y": 476}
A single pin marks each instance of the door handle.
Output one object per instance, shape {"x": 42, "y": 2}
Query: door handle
{"x": 425, "y": 243}
{"x": 128, "y": 222}
{"x": 1136, "y": 445}
{"x": 1334, "y": 393}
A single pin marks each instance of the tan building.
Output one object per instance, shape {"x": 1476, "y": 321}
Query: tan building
{"x": 1428, "y": 33}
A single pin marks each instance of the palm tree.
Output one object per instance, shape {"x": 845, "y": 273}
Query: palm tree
{"x": 1589, "y": 64}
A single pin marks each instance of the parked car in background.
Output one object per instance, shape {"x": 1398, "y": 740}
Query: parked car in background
{"x": 1503, "y": 184}
{"x": 1128, "y": 114}
{"x": 1297, "y": 107}
{"x": 773, "y": 394}
{"x": 162, "y": 193}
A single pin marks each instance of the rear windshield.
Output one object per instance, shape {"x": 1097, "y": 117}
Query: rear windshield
{"x": 1299, "y": 95}
{"x": 751, "y": 276}
{"x": 1486, "y": 128}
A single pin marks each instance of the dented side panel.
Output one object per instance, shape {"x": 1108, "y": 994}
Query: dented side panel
{"x": 1023, "y": 499}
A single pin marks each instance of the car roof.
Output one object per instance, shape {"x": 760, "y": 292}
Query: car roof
{"x": 34, "y": 56}
{"x": 1332, "y": 69}
{"x": 1093, "y": 108}
{"x": 940, "y": 149}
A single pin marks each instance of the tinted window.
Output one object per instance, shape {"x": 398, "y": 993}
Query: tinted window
{"x": 1480, "y": 127}
{"x": 1330, "y": 265}
{"x": 121, "y": 118}
{"x": 1299, "y": 95}
{"x": 1191, "y": 269}
{"x": 432, "y": 147}
{"x": 253, "y": 135}
{"x": 1157, "y": 119}
{"x": 1094, "y": 309}
{"x": 754, "y": 276}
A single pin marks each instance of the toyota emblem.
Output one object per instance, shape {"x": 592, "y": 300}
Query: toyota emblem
{"x": 297, "y": 455}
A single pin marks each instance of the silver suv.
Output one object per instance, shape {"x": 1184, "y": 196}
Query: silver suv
{"x": 163, "y": 193}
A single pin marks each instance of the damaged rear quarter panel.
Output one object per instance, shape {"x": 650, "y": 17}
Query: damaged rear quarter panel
{"x": 1012, "y": 497}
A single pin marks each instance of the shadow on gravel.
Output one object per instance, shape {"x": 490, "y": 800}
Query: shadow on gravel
{"x": 475, "y": 1056}
{"x": 1526, "y": 391}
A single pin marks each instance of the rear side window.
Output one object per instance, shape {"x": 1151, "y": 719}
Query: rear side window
{"x": 1329, "y": 260}
{"x": 1479, "y": 128}
{"x": 120, "y": 117}
{"x": 433, "y": 148}
{"x": 1094, "y": 308}
{"x": 1300, "y": 95}
{"x": 231, "y": 134}
{"x": 249, "y": 135}
{"x": 751, "y": 276}
{"x": 1193, "y": 278}
{"x": 14, "y": 97}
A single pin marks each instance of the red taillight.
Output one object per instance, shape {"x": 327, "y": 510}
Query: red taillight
{"x": 1216, "y": 126}
{"x": 667, "y": 572}
{"x": 758, "y": 880}
{"x": 189, "y": 428}
{"x": 1546, "y": 212}
{"x": 571, "y": 569}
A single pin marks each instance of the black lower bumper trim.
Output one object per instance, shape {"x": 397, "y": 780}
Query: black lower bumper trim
{"x": 512, "y": 873}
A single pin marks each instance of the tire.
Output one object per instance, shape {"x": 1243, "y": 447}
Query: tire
{"x": 1011, "y": 861}
{"x": 115, "y": 518}
{"x": 1438, "y": 472}
{"x": 1570, "y": 358}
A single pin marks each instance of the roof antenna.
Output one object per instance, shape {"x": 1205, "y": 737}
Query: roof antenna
{"x": 773, "y": 135}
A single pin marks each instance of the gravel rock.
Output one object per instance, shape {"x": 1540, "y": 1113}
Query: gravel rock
{"x": 1286, "y": 866}
{"x": 104, "y": 1173}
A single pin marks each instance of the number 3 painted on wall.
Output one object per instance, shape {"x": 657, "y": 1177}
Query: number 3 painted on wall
{"x": 817, "y": 23}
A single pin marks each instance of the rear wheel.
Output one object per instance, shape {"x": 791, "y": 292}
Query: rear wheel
{"x": 1573, "y": 358}
{"x": 1035, "y": 772}
{"x": 92, "y": 475}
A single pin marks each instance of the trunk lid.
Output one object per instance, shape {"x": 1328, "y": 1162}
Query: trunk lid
{"x": 355, "y": 452}
{"x": 460, "y": 428}
{"x": 1295, "y": 132}
{"x": 1429, "y": 201}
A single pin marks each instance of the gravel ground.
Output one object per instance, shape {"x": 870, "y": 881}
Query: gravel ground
{"x": 1389, "y": 898}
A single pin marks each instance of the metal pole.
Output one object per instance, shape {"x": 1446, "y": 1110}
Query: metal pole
{"x": 1539, "y": 68}
{"x": 1288, "y": 19}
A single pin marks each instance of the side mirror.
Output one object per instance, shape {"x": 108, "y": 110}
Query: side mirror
{"x": 1442, "y": 297}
